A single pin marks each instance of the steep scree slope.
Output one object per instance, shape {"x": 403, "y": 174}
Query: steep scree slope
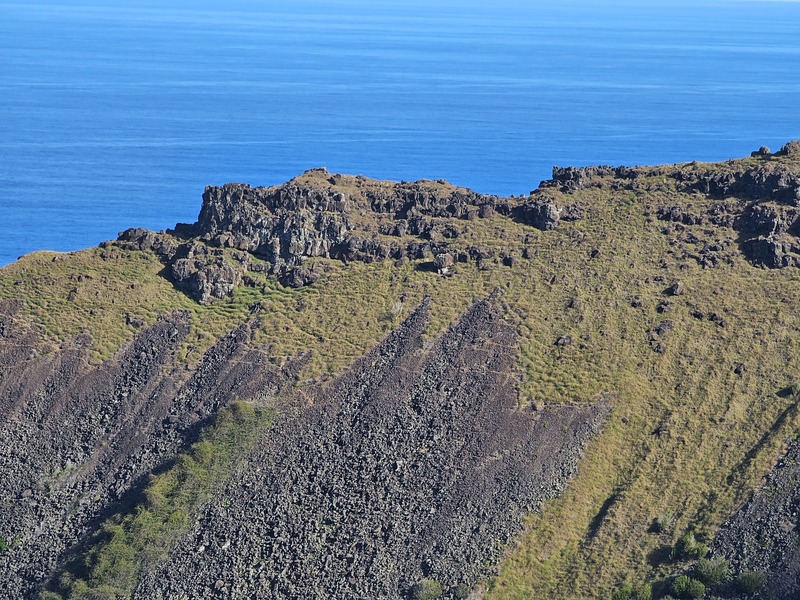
{"x": 414, "y": 464}
{"x": 77, "y": 438}
{"x": 763, "y": 536}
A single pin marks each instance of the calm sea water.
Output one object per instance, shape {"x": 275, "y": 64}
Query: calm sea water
{"x": 117, "y": 114}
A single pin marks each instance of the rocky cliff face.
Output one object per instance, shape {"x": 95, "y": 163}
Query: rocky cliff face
{"x": 320, "y": 215}
{"x": 280, "y": 230}
{"x": 414, "y": 465}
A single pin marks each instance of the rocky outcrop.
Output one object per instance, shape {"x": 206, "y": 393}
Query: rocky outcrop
{"x": 764, "y": 535}
{"x": 572, "y": 179}
{"x": 77, "y": 438}
{"x": 413, "y": 465}
{"x": 281, "y": 230}
{"x": 759, "y": 199}
{"x": 768, "y": 180}
{"x": 769, "y": 235}
{"x": 544, "y": 212}
{"x": 205, "y": 273}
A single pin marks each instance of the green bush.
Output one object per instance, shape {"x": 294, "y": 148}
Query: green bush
{"x": 427, "y": 589}
{"x": 460, "y": 591}
{"x": 625, "y": 592}
{"x": 749, "y": 582}
{"x": 686, "y": 587}
{"x": 3, "y": 545}
{"x": 713, "y": 573}
{"x": 688, "y": 547}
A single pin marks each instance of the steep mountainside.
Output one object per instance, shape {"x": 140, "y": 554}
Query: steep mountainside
{"x": 342, "y": 387}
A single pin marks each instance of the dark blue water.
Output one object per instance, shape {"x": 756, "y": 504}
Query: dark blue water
{"x": 117, "y": 114}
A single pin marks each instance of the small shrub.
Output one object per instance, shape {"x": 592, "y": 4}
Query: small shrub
{"x": 713, "y": 573}
{"x": 644, "y": 592}
{"x": 3, "y": 545}
{"x": 461, "y": 591}
{"x": 697, "y": 589}
{"x": 625, "y": 592}
{"x": 749, "y": 582}
{"x": 664, "y": 523}
{"x": 688, "y": 547}
{"x": 427, "y": 589}
{"x": 686, "y": 587}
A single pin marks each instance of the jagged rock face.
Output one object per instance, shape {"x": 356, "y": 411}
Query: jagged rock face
{"x": 77, "y": 438}
{"x": 769, "y": 235}
{"x": 414, "y": 464}
{"x": 319, "y": 215}
{"x": 203, "y": 273}
{"x": 764, "y": 182}
{"x": 279, "y": 225}
{"x": 764, "y": 535}
{"x": 330, "y": 216}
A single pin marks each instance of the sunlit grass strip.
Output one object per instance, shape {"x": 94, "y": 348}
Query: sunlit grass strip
{"x": 130, "y": 543}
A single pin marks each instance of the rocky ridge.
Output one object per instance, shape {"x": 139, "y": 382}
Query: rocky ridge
{"x": 281, "y": 230}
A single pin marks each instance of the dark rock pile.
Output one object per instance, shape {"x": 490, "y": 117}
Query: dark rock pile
{"x": 415, "y": 465}
{"x": 77, "y": 438}
{"x": 763, "y": 535}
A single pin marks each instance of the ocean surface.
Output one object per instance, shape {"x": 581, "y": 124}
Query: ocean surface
{"x": 116, "y": 114}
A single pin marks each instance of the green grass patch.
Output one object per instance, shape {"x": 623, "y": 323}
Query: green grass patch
{"x": 139, "y": 540}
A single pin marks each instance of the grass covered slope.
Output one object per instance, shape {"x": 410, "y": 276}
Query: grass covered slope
{"x": 696, "y": 378}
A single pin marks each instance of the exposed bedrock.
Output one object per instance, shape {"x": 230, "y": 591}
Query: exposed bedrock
{"x": 759, "y": 199}
{"x": 415, "y": 464}
{"x": 763, "y": 534}
{"x": 77, "y": 438}
{"x": 320, "y": 215}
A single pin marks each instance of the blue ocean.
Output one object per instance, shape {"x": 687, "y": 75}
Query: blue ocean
{"x": 116, "y": 114}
